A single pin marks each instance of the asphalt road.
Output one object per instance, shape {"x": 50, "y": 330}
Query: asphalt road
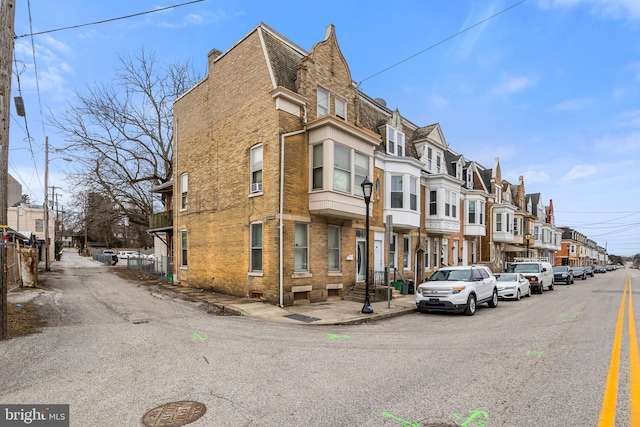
{"x": 114, "y": 350}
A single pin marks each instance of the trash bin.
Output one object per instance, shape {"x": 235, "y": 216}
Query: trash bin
{"x": 411, "y": 288}
{"x": 398, "y": 286}
{"x": 405, "y": 287}
{"x": 169, "y": 278}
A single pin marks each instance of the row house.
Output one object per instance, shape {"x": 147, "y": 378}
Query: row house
{"x": 578, "y": 250}
{"x": 271, "y": 149}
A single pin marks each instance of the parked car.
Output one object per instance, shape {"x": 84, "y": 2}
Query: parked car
{"x": 536, "y": 270}
{"x": 457, "y": 289}
{"x": 563, "y": 274}
{"x": 599, "y": 269}
{"x": 112, "y": 254}
{"x": 579, "y": 273}
{"x": 513, "y": 285}
{"x": 589, "y": 270}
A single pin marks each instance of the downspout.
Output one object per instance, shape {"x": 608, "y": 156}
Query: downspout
{"x": 174, "y": 205}
{"x": 281, "y": 225}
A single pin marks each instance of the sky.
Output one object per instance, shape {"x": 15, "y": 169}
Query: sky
{"x": 551, "y": 88}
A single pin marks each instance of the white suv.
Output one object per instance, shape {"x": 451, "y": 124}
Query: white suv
{"x": 458, "y": 289}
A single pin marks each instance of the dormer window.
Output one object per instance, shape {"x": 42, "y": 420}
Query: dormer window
{"x": 429, "y": 158}
{"x": 323, "y": 102}
{"x": 341, "y": 108}
{"x": 395, "y": 141}
{"x": 459, "y": 170}
{"x": 469, "y": 178}
{"x": 438, "y": 163}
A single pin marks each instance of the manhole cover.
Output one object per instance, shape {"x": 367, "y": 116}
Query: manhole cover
{"x": 174, "y": 414}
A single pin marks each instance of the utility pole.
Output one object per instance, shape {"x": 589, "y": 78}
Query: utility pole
{"x": 7, "y": 35}
{"x": 46, "y": 203}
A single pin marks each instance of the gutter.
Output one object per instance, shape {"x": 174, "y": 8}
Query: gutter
{"x": 281, "y": 226}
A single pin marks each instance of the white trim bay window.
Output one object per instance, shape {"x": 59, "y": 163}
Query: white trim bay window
{"x": 361, "y": 171}
{"x": 256, "y": 169}
{"x": 413, "y": 194}
{"x": 472, "y": 212}
{"x": 333, "y": 245}
{"x": 451, "y": 204}
{"x": 301, "y": 247}
{"x": 318, "y": 156}
{"x": 256, "y": 247}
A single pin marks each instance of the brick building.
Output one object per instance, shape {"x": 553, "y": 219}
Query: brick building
{"x": 271, "y": 148}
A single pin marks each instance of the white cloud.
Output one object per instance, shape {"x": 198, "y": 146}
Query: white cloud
{"x": 579, "y": 171}
{"x": 616, "y": 9}
{"x": 510, "y": 85}
{"x": 531, "y": 177}
{"x": 571, "y": 105}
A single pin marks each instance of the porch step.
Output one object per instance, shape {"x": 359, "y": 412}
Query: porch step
{"x": 380, "y": 293}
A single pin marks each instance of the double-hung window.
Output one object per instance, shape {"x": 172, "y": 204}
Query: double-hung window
{"x": 184, "y": 187}
{"x": 341, "y": 168}
{"x": 256, "y": 247}
{"x": 361, "y": 171}
{"x": 341, "y": 108}
{"x": 39, "y": 225}
{"x": 256, "y": 169}
{"x": 472, "y": 212}
{"x": 433, "y": 202}
{"x": 333, "y": 244}
{"x": 438, "y": 163}
{"x": 183, "y": 248}
{"x": 429, "y": 158}
{"x": 301, "y": 247}
{"x": 396, "y": 192}
{"x": 454, "y": 204}
{"x": 498, "y": 222}
{"x": 413, "y": 194}
{"x": 395, "y": 141}
{"x": 323, "y": 102}
{"x": 317, "y": 167}
{"x": 481, "y": 212}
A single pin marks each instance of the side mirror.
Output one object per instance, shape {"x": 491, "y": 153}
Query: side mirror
{"x": 544, "y": 269}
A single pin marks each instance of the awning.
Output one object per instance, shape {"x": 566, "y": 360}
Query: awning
{"x": 513, "y": 248}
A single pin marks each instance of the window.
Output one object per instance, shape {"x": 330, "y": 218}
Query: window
{"x": 427, "y": 252}
{"x": 323, "y": 102}
{"x": 256, "y": 247}
{"x": 396, "y": 191}
{"x": 406, "y": 252}
{"x": 515, "y": 225}
{"x": 472, "y": 212}
{"x": 395, "y": 141}
{"x": 469, "y": 178}
{"x": 39, "y": 225}
{"x": 445, "y": 252}
{"x": 361, "y": 171}
{"x": 184, "y": 186}
{"x": 429, "y": 158}
{"x": 447, "y": 202}
{"x": 454, "y": 204}
{"x": 481, "y": 212}
{"x": 341, "y": 168}
{"x": 433, "y": 202}
{"x": 341, "y": 108}
{"x": 317, "y": 167}
{"x": 508, "y": 223}
{"x": 435, "y": 252}
{"x": 473, "y": 251}
{"x": 300, "y": 250}
{"x": 438, "y": 162}
{"x": 413, "y": 194}
{"x": 333, "y": 243}
{"x": 183, "y": 248}
{"x": 392, "y": 251}
{"x": 256, "y": 169}
{"x": 498, "y": 222}
{"x": 459, "y": 170}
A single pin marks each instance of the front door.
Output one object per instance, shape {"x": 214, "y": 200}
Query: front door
{"x": 361, "y": 260}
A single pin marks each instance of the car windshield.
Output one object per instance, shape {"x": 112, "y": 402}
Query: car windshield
{"x": 507, "y": 277}
{"x": 560, "y": 268}
{"x": 451, "y": 275}
{"x": 524, "y": 268}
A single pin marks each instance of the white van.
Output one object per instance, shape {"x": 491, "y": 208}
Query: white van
{"x": 538, "y": 270}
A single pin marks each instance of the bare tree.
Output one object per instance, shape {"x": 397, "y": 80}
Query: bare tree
{"x": 122, "y": 133}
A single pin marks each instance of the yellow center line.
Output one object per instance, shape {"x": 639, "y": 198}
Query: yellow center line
{"x": 609, "y": 401}
{"x": 634, "y": 367}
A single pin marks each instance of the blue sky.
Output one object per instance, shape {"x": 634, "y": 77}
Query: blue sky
{"x": 550, "y": 87}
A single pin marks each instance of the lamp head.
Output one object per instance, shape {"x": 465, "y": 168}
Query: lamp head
{"x": 367, "y": 188}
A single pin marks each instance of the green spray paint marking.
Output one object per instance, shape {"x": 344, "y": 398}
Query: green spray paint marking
{"x": 405, "y": 423}
{"x": 474, "y": 414}
{"x": 540, "y": 354}
{"x": 568, "y": 316}
{"x": 197, "y": 336}
{"x": 333, "y": 336}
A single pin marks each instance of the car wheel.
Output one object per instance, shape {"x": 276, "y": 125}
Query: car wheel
{"x": 584, "y": 277}
{"x": 571, "y": 281}
{"x": 529, "y": 292}
{"x": 493, "y": 303}
{"x": 518, "y": 295}
{"x": 470, "y": 309}
{"x": 551, "y": 286}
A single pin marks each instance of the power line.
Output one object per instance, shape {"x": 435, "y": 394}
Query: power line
{"x": 442, "y": 41}
{"x": 108, "y": 20}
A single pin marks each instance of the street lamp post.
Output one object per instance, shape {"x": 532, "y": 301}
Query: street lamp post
{"x": 527, "y": 237}
{"x": 367, "y": 187}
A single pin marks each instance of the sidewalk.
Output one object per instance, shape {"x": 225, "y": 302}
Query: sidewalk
{"x": 337, "y": 312}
